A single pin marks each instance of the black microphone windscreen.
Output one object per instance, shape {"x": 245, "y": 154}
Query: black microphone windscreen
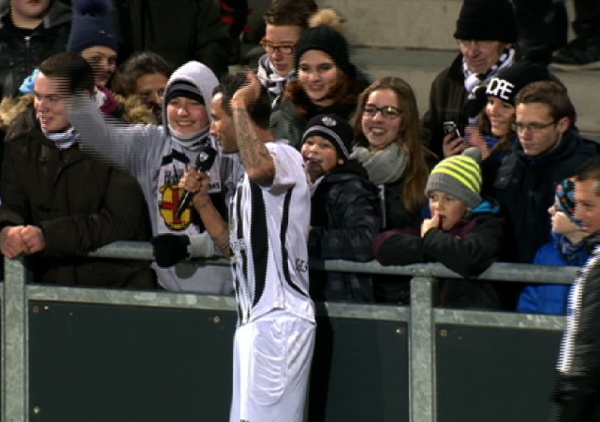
{"x": 206, "y": 158}
{"x": 204, "y": 161}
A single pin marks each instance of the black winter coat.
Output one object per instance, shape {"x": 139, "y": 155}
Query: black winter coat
{"x": 20, "y": 54}
{"x": 344, "y": 221}
{"x": 79, "y": 203}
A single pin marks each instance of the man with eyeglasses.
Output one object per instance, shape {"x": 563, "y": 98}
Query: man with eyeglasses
{"x": 285, "y": 21}
{"x": 549, "y": 150}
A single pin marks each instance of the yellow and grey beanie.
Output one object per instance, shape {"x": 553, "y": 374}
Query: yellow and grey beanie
{"x": 459, "y": 176}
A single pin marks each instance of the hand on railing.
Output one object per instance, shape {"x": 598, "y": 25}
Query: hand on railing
{"x": 170, "y": 249}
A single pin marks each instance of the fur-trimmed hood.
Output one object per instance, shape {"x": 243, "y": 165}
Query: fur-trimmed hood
{"x": 134, "y": 109}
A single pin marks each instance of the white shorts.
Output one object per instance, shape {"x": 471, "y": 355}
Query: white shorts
{"x": 271, "y": 367}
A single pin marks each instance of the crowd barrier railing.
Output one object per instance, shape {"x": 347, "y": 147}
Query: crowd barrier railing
{"x": 421, "y": 316}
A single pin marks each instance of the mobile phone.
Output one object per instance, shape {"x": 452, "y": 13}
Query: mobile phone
{"x": 450, "y": 127}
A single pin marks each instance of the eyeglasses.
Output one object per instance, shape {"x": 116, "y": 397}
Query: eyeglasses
{"x": 532, "y": 127}
{"x": 283, "y": 48}
{"x": 388, "y": 112}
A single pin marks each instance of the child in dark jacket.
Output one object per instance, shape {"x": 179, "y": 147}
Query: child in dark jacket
{"x": 566, "y": 248}
{"x": 344, "y": 209}
{"x": 464, "y": 234}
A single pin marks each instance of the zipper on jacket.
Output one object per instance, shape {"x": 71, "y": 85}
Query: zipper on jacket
{"x": 28, "y": 68}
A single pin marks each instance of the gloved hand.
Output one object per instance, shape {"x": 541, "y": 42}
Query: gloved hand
{"x": 169, "y": 249}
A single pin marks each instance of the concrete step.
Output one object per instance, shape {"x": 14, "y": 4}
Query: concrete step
{"x": 419, "y": 68}
{"x": 402, "y": 23}
{"x": 399, "y": 23}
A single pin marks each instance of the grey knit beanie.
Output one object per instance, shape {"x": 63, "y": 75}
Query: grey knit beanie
{"x": 459, "y": 176}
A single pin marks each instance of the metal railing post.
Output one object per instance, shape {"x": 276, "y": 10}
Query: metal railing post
{"x": 15, "y": 377}
{"x": 422, "y": 351}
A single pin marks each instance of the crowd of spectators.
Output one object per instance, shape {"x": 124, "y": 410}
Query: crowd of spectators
{"x": 118, "y": 125}
{"x": 386, "y": 181}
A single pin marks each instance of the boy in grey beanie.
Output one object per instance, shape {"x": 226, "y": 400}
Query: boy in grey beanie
{"x": 464, "y": 234}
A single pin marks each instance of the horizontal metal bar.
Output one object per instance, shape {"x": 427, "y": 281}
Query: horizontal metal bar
{"x": 500, "y": 271}
{"x": 499, "y": 319}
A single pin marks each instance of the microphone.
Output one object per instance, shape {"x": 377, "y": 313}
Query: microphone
{"x": 204, "y": 161}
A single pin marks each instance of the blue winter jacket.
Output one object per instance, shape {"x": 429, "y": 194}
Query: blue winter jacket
{"x": 550, "y": 298}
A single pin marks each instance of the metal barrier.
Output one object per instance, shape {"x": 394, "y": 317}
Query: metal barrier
{"x": 421, "y": 318}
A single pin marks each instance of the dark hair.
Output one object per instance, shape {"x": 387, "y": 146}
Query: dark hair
{"x": 73, "y": 68}
{"x": 259, "y": 111}
{"x": 590, "y": 170}
{"x": 553, "y": 95}
{"x": 137, "y": 65}
{"x": 409, "y": 138}
{"x": 505, "y": 142}
{"x": 290, "y": 13}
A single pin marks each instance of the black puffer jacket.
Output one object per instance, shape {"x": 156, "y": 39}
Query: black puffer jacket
{"x": 344, "y": 220}
{"x": 577, "y": 392}
{"x": 20, "y": 54}
{"x": 79, "y": 203}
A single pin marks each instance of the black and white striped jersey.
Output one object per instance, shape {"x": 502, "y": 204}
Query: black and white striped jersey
{"x": 268, "y": 238}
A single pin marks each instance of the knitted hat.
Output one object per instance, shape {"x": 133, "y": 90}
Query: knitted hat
{"x": 565, "y": 196}
{"x": 511, "y": 80}
{"x": 328, "y": 40}
{"x": 183, "y": 89}
{"x": 487, "y": 20}
{"x": 333, "y": 128}
{"x": 91, "y": 26}
{"x": 459, "y": 176}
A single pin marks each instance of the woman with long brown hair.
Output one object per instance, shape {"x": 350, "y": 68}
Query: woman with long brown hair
{"x": 389, "y": 146}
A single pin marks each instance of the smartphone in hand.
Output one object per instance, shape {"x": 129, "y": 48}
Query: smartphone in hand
{"x": 450, "y": 127}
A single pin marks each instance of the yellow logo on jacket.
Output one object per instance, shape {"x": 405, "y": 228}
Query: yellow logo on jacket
{"x": 167, "y": 206}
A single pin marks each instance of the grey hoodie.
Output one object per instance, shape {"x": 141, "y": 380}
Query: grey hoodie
{"x": 158, "y": 160}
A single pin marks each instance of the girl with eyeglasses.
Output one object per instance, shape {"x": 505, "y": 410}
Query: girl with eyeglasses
{"x": 388, "y": 144}
{"x": 327, "y": 83}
